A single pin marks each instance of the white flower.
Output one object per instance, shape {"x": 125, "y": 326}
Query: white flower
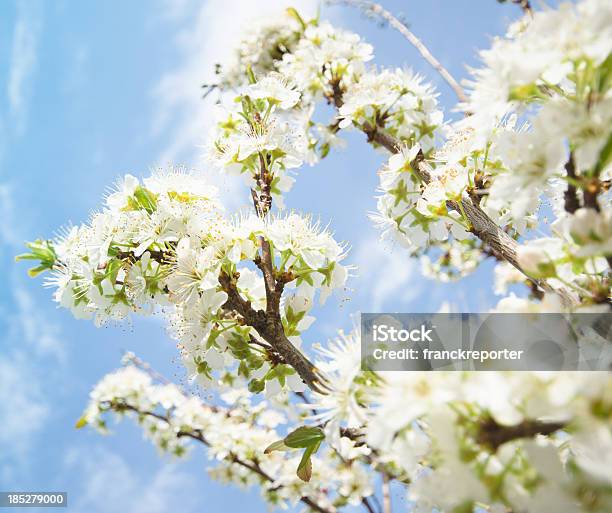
{"x": 304, "y": 239}
{"x": 196, "y": 269}
{"x": 342, "y": 365}
{"x": 590, "y": 230}
{"x": 124, "y": 189}
{"x": 181, "y": 185}
{"x": 275, "y": 88}
{"x": 506, "y": 274}
{"x": 537, "y": 257}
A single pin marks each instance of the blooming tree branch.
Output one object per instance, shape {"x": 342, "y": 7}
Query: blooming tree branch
{"x": 497, "y": 240}
{"x": 181, "y": 419}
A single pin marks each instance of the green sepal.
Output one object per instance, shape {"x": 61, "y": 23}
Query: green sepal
{"x": 142, "y": 199}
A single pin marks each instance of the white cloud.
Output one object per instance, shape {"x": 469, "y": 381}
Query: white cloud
{"x": 387, "y": 277}
{"x": 41, "y": 337}
{"x": 8, "y": 233}
{"x": 23, "y": 59}
{"x": 22, "y": 408}
{"x": 108, "y": 483}
{"x": 182, "y": 116}
{"x": 29, "y": 343}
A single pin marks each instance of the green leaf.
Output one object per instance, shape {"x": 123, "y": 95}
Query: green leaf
{"x": 604, "y": 76}
{"x": 466, "y": 507}
{"x": 279, "y": 445}
{"x": 280, "y": 373}
{"x": 324, "y": 151}
{"x": 202, "y": 367}
{"x": 293, "y": 318}
{"x": 304, "y": 437}
{"x": 304, "y": 470}
{"x": 146, "y": 198}
{"x": 81, "y": 423}
{"x": 291, "y": 11}
{"x": 307, "y": 438}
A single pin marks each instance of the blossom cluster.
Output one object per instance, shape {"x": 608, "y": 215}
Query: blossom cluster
{"x": 325, "y": 58}
{"x": 441, "y": 431}
{"x": 162, "y": 245}
{"x": 543, "y": 90}
{"x": 261, "y": 46}
{"x": 234, "y": 435}
{"x": 537, "y": 125}
{"x": 119, "y": 261}
{"x": 312, "y": 58}
{"x": 263, "y": 135}
{"x": 211, "y": 339}
{"x": 398, "y": 100}
{"x": 414, "y": 215}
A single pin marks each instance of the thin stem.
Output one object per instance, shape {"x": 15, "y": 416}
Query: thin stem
{"x": 525, "y": 5}
{"x": 142, "y": 365}
{"x": 251, "y": 465}
{"x": 378, "y": 10}
{"x": 368, "y": 505}
{"x": 386, "y": 493}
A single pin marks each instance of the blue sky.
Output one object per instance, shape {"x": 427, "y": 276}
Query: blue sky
{"x": 92, "y": 90}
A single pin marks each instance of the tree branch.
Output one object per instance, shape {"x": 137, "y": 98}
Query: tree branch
{"x": 570, "y": 195}
{"x": 493, "y": 435}
{"x": 251, "y": 465}
{"x": 500, "y": 243}
{"x": 367, "y": 505}
{"x": 269, "y": 323}
{"x": 525, "y": 5}
{"x": 376, "y": 9}
{"x": 270, "y": 328}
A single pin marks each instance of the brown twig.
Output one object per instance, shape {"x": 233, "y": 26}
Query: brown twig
{"x": 268, "y": 323}
{"x": 251, "y": 465}
{"x": 493, "y": 435}
{"x": 163, "y": 257}
{"x": 571, "y": 197}
{"x": 525, "y": 5}
{"x": 368, "y": 505}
